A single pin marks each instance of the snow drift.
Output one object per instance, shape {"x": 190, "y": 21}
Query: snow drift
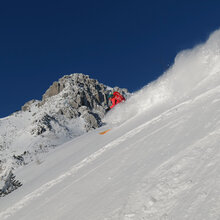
{"x": 191, "y": 69}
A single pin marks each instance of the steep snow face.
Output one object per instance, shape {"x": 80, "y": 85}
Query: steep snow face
{"x": 193, "y": 72}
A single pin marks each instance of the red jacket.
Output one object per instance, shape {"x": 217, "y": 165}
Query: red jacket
{"x": 117, "y": 98}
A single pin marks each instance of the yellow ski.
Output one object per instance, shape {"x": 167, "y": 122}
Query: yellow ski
{"x": 104, "y": 132}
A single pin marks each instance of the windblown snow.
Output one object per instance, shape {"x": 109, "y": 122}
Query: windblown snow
{"x": 160, "y": 160}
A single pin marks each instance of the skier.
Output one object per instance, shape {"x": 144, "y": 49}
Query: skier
{"x": 115, "y": 98}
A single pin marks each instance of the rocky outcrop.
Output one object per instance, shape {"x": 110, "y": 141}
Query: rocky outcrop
{"x": 27, "y": 105}
{"x": 76, "y": 95}
{"x": 55, "y": 89}
{"x": 42, "y": 125}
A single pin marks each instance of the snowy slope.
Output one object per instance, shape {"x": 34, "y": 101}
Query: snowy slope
{"x": 160, "y": 160}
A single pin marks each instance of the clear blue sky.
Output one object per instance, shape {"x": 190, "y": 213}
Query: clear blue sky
{"x": 127, "y": 43}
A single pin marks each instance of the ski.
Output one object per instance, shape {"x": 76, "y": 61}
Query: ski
{"x": 104, "y": 132}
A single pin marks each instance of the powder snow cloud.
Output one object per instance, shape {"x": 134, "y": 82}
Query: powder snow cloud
{"x": 183, "y": 79}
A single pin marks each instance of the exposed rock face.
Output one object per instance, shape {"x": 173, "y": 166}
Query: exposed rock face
{"x": 55, "y": 89}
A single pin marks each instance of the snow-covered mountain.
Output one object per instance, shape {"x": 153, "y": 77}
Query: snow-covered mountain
{"x": 160, "y": 160}
{"x": 73, "y": 105}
